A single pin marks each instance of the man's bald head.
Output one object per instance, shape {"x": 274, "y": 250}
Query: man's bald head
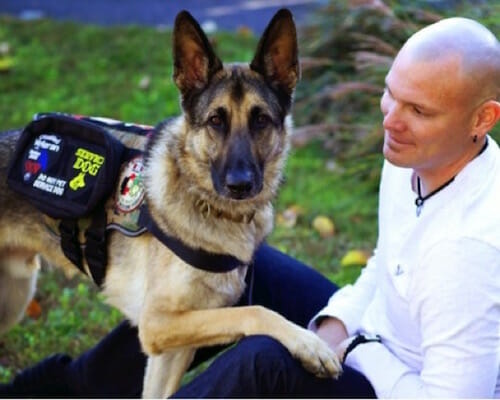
{"x": 477, "y": 49}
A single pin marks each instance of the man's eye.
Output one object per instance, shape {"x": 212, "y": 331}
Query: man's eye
{"x": 419, "y": 111}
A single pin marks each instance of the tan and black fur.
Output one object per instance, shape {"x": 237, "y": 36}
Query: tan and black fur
{"x": 210, "y": 177}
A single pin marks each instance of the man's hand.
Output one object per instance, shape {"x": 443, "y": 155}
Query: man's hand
{"x": 332, "y": 330}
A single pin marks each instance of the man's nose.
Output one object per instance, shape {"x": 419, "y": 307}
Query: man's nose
{"x": 393, "y": 118}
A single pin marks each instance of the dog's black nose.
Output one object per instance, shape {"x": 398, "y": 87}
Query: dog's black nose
{"x": 239, "y": 183}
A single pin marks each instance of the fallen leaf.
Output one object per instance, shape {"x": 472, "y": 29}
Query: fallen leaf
{"x": 288, "y": 218}
{"x": 6, "y": 63}
{"x": 34, "y": 310}
{"x": 145, "y": 82}
{"x": 324, "y": 226}
{"x": 354, "y": 257}
{"x": 4, "y": 48}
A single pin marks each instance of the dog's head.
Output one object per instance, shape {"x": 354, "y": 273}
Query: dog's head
{"x": 236, "y": 115}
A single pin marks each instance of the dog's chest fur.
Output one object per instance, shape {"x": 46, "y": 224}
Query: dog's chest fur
{"x": 143, "y": 267}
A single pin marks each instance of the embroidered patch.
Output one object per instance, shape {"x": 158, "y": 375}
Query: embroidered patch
{"x": 43, "y": 153}
{"x": 86, "y": 162}
{"x": 130, "y": 191}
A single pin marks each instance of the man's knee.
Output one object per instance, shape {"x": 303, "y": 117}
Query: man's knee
{"x": 248, "y": 369}
{"x": 266, "y": 356}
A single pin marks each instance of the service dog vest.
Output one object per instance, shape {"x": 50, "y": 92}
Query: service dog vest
{"x": 67, "y": 166}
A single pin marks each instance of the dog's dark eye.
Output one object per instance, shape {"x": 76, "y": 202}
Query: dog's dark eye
{"x": 218, "y": 120}
{"x": 261, "y": 121}
{"x": 215, "y": 121}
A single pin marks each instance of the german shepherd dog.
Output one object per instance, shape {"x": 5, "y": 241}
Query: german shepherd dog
{"x": 210, "y": 176}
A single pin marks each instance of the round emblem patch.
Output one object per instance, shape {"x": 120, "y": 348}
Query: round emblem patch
{"x": 130, "y": 191}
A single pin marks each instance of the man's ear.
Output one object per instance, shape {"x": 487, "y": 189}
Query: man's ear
{"x": 195, "y": 61}
{"x": 276, "y": 57}
{"x": 487, "y": 117}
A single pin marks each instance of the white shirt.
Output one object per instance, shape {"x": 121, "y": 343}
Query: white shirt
{"x": 432, "y": 288}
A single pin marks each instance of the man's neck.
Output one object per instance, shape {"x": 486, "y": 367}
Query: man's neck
{"x": 432, "y": 178}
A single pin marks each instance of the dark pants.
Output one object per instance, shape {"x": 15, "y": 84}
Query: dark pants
{"x": 257, "y": 366}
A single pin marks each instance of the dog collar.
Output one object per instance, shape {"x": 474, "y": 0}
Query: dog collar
{"x": 207, "y": 210}
{"x": 198, "y": 258}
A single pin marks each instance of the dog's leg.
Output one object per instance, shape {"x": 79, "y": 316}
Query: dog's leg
{"x": 159, "y": 332}
{"x": 164, "y": 373}
{"x": 18, "y": 273}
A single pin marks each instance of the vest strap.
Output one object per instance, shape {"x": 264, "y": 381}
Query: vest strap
{"x": 96, "y": 249}
{"x": 196, "y": 257}
{"x": 69, "y": 231}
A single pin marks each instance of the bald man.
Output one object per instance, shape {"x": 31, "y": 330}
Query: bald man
{"x": 423, "y": 319}
{"x": 432, "y": 292}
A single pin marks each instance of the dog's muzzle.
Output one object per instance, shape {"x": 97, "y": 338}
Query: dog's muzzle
{"x": 240, "y": 184}
{"x": 237, "y": 183}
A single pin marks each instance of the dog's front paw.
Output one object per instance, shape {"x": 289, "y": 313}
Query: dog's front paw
{"x": 315, "y": 355}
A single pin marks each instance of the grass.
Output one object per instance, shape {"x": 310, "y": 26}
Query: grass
{"x": 91, "y": 70}
{"x": 345, "y": 197}
{"x": 54, "y": 66}
{"x": 73, "y": 317}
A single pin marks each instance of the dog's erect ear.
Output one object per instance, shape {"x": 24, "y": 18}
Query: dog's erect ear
{"x": 277, "y": 54}
{"x": 195, "y": 61}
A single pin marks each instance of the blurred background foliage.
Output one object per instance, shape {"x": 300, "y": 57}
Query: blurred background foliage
{"x": 326, "y": 210}
{"x": 347, "y": 53}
